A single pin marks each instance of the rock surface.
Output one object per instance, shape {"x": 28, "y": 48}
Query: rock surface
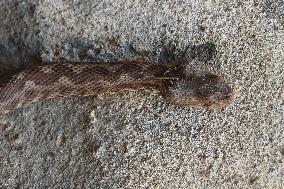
{"x": 134, "y": 139}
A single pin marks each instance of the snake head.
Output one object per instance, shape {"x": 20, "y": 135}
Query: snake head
{"x": 191, "y": 88}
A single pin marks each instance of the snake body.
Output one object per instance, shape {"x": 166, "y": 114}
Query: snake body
{"x": 177, "y": 84}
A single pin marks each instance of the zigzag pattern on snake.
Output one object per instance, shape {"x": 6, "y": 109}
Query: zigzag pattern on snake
{"x": 177, "y": 83}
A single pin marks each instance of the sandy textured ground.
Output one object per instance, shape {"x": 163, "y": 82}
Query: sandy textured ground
{"x": 135, "y": 139}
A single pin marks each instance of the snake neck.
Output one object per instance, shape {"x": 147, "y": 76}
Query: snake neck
{"x": 80, "y": 79}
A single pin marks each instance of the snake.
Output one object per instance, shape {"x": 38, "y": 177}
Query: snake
{"x": 177, "y": 83}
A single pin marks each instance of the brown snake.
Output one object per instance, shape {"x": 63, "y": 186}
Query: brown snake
{"x": 177, "y": 83}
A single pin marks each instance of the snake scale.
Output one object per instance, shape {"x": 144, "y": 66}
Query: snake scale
{"x": 177, "y": 83}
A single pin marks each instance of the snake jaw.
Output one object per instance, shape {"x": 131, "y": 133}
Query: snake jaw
{"x": 205, "y": 90}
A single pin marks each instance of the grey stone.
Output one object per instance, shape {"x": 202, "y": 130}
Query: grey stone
{"x": 134, "y": 139}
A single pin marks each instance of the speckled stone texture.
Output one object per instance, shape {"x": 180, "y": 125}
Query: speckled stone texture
{"x": 134, "y": 139}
